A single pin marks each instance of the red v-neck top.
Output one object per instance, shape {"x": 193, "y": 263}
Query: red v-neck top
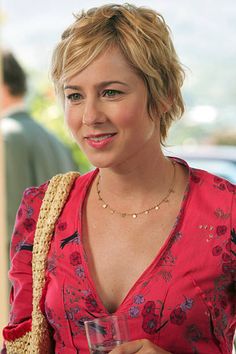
{"x": 184, "y": 301}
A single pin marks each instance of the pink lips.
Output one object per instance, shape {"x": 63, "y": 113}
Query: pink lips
{"x": 99, "y": 141}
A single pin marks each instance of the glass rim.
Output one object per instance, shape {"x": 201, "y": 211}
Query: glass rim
{"x": 106, "y": 318}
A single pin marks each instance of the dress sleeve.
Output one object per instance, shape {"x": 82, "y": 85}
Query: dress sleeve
{"x": 20, "y": 273}
{"x": 229, "y": 272}
{"x": 232, "y": 290}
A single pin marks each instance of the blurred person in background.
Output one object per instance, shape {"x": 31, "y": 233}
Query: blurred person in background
{"x": 143, "y": 234}
{"x": 32, "y": 154}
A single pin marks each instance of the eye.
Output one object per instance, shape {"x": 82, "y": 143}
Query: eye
{"x": 111, "y": 93}
{"x": 74, "y": 97}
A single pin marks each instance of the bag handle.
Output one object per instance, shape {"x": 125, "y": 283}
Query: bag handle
{"x": 53, "y": 202}
{"x": 38, "y": 340}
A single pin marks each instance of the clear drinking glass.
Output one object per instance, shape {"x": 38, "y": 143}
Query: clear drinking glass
{"x": 105, "y": 333}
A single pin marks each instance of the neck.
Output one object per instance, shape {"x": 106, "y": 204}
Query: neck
{"x": 147, "y": 173}
{"x": 144, "y": 211}
{"x": 9, "y": 106}
{"x": 141, "y": 188}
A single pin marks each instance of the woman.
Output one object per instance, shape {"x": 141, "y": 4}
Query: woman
{"x": 142, "y": 234}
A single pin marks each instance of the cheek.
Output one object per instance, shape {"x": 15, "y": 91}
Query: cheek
{"x": 133, "y": 116}
{"x": 129, "y": 115}
{"x": 67, "y": 115}
{"x": 72, "y": 119}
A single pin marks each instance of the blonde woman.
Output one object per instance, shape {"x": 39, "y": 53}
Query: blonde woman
{"x": 142, "y": 234}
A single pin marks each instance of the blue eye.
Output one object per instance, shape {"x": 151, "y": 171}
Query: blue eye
{"x": 74, "y": 97}
{"x": 111, "y": 93}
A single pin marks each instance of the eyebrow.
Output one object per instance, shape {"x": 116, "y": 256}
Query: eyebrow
{"x": 100, "y": 85}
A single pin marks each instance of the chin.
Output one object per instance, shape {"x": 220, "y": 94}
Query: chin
{"x": 101, "y": 160}
{"x": 104, "y": 162}
{"x": 100, "y": 164}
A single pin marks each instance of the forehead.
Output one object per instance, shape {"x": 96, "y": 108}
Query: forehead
{"x": 111, "y": 64}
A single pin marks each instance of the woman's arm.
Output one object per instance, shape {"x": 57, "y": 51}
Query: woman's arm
{"x": 20, "y": 273}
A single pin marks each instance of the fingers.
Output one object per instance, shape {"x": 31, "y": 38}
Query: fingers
{"x": 140, "y": 346}
{"x": 128, "y": 348}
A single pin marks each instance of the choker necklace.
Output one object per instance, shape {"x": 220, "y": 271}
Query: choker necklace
{"x": 146, "y": 211}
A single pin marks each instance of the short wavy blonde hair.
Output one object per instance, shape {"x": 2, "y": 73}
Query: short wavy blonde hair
{"x": 143, "y": 37}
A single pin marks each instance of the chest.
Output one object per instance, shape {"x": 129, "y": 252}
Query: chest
{"x": 162, "y": 304}
{"x": 120, "y": 250}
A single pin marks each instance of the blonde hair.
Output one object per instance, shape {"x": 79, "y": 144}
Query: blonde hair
{"x": 144, "y": 39}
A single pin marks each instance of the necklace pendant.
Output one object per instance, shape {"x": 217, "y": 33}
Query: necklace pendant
{"x": 157, "y": 207}
{"x": 134, "y": 216}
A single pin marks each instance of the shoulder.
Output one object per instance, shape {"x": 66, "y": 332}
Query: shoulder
{"x": 17, "y": 123}
{"x": 17, "y": 128}
{"x": 32, "y": 196}
{"x": 207, "y": 189}
{"x": 214, "y": 186}
{"x": 81, "y": 185}
{"x": 215, "y": 199}
{"x": 10, "y": 127}
{"x": 87, "y": 177}
{"x": 211, "y": 205}
{"x": 26, "y": 218}
{"x": 35, "y": 194}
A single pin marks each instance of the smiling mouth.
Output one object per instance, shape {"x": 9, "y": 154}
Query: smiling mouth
{"x": 100, "y": 137}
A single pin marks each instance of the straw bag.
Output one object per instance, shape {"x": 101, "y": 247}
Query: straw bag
{"x": 39, "y": 340}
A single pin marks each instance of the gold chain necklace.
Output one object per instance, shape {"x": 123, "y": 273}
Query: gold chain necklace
{"x": 105, "y": 205}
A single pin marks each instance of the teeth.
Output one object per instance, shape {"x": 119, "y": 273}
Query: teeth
{"x": 100, "y": 138}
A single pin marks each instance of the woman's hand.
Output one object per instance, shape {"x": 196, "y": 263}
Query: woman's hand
{"x": 141, "y": 346}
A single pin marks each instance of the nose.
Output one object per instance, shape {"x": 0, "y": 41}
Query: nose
{"x": 93, "y": 113}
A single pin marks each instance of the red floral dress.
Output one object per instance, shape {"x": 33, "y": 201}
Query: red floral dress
{"x": 183, "y": 302}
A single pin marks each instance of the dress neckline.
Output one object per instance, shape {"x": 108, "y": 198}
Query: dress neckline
{"x": 165, "y": 246}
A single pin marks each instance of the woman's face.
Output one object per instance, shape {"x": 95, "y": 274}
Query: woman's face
{"x": 106, "y": 111}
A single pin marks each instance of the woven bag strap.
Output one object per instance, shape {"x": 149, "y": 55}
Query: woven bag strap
{"x": 53, "y": 202}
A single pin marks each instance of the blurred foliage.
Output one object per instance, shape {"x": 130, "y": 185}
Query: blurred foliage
{"x": 184, "y": 133}
{"x": 47, "y": 111}
{"x": 221, "y": 131}
{"x": 228, "y": 137}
